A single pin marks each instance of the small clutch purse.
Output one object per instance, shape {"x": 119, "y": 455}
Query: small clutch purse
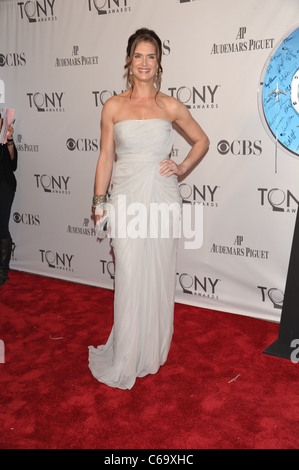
{"x": 103, "y": 225}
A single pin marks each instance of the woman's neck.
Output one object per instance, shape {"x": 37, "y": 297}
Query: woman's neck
{"x": 143, "y": 91}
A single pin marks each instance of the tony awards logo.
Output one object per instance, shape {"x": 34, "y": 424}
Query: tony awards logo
{"x": 104, "y": 7}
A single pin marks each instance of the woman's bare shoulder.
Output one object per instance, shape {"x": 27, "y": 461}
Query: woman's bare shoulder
{"x": 173, "y": 106}
{"x": 116, "y": 102}
{"x": 113, "y": 104}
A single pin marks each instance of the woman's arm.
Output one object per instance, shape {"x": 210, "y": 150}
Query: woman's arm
{"x": 106, "y": 157}
{"x": 183, "y": 118}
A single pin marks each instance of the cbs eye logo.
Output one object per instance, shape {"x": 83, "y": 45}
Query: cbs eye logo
{"x": 26, "y": 219}
{"x": 239, "y": 147}
{"x": 83, "y": 145}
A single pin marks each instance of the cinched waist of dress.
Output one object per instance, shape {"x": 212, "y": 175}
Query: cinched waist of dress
{"x": 141, "y": 158}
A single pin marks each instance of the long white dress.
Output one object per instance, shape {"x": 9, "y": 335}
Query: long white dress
{"x": 145, "y": 265}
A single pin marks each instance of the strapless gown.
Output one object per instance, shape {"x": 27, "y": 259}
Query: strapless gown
{"x": 145, "y": 258}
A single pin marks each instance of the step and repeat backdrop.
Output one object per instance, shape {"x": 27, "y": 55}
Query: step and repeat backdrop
{"x": 233, "y": 63}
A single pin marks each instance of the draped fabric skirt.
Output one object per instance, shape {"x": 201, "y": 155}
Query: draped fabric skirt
{"x": 144, "y": 215}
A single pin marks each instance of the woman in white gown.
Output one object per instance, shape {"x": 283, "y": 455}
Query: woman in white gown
{"x": 136, "y": 131}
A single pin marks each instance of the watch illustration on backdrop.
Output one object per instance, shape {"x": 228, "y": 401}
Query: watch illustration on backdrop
{"x": 278, "y": 94}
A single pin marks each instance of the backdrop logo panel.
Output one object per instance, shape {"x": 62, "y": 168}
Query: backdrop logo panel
{"x": 83, "y": 230}
{"x": 192, "y": 194}
{"x": 12, "y": 59}
{"x": 188, "y": 1}
{"x": 57, "y": 184}
{"x": 83, "y": 144}
{"x": 278, "y": 200}
{"x": 240, "y": 147}
{"x": 37, "y": 11}
{"x": 46, "y": 102}
{"x": 25, "y": 146}
{"x": 26, "y": 219}
{"x": 242, "y": 44}
{"x": 13, "y": 252}
{"x": 274, "y": 295}
{"x": 107, "y": 268}
{"x": 77, "y": 58}
{"x": 57, "y": 260}
{"x": 196, "y": 97}
{"x": 104, "y": 7}
{"x": 237, "y": 249}
{"x": 203, "y": 286}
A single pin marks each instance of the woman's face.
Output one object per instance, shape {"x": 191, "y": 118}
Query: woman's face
{"x": 145, "y": 62}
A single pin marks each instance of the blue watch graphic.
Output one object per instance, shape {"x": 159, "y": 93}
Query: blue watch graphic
{"x": 278, "y": 94}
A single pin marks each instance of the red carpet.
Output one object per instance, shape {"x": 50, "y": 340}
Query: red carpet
{"x": 217, "y": 390}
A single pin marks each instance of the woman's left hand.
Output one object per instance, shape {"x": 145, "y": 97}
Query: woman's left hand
{"x": 169, "y": 168}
